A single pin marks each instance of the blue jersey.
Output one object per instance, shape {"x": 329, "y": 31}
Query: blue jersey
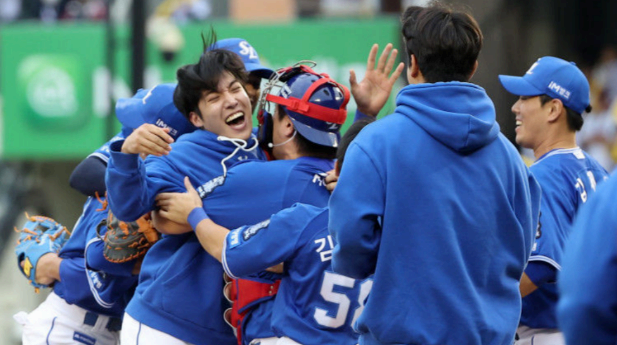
{"x": 439, "y": 206}
{"x": 567, "y": 177}
{"x": 180, "y": 286}
{"x": 252, "y": 192}
{"x": 588, "y": 280}
{"x": 104, "y": 290}
{"x": 313, "y": 304}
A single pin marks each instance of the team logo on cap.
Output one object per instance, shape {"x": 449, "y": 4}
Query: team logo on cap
{"x": 560, "y": 90}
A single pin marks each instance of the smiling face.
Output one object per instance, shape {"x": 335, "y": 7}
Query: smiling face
{"x": 227, "y": 111}
{"x": 531, "y": 121}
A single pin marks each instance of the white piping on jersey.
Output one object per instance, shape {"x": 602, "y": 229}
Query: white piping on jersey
{"x": 576, "y": 151}
{"x": 224, "y": 260}
{"x": 100, "y": 156}
{"x": 547, "y": 260}
{"x": 93, "y": 289}
{"x": 240, "y": 145}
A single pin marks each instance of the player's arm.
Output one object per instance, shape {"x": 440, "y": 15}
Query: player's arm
{"x": 188, "y": 207}
{"x": 89, "y": 176}
{"x": 356, "y": 206}
{"x": 131, "y": 188}
{"x": 372, "y": 93}
{"x": 537, "y": 273}
{"x": 213, "y": 237}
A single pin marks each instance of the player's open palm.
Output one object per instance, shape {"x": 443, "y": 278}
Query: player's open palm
{"x": 148, "y": 139}
{"x": 372, "y": 93}
{"x": 177, "y": 206}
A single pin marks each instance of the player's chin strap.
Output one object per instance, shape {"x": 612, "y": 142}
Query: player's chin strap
{"x": 240, "y": 145}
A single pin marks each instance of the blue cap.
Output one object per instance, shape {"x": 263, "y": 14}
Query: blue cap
{"x": 247, "y": 53}
{"x": 155, "y": 106}
{"x": 554, "y": 77}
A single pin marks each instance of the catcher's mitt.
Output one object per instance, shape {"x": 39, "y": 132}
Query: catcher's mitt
{"x": 126, "y": 241}
{"x": 39, "y": 236}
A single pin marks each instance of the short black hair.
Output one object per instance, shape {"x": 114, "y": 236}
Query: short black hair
{"x": 445, "y": 42}
{"x": 351, "y": 133}
{"x": 195, "y": 79}
{"x": 307, "y": 147}
{"x": 575, "y": 120}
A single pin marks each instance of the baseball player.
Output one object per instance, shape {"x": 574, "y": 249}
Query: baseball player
{"x": 428, "y": 193}
{"x": 313, "y": 305}
{"x": 553, "y": 95}
{"x": 211, "y": 95}
{"x": 588, "y": 280}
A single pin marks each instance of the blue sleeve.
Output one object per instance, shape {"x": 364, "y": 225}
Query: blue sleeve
{"x": 88, "y": 177}
{"x": 362, "y": 116}
{"x": 356, "y": 206}
{"x": 540, "y": 273}
{"x": 72, "y": 274}
{"x": 556, "y": 212}
{"x": 251, "y": 249}
{"x": 131, "y": 190}
{"x": 587, "y": 309}
{"x": 95, "y": 260}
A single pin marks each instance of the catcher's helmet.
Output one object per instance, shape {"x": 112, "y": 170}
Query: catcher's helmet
{"x": 315, "y": 103}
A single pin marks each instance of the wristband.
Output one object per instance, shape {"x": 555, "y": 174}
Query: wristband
{"x": 196, "y": 216}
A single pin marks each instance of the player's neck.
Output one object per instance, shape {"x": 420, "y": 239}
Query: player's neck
{"x": 563, "y": 142}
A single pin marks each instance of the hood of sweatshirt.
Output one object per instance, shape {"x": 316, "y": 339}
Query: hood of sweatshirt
{"x": 459, "y": 115}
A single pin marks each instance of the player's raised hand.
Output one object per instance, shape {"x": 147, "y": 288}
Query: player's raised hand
{"x": 148, "y": 139}
{"x": 372, "y": 93}
{"x": 177, "y": 206}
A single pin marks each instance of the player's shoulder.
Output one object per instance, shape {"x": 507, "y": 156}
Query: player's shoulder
{"x": 303, "y": 213}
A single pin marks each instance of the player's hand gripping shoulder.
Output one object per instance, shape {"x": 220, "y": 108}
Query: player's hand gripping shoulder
{"x": 331, "y": 180}
{"x": 148, "y": 139}
{"x": 177, "y": 206}
{"x": 372, "y": 93}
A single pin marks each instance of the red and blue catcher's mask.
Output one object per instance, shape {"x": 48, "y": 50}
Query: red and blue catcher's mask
{"x": 315, "y": 103}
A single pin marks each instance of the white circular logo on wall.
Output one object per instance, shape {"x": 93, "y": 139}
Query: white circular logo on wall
{"x": 51, "y": 93}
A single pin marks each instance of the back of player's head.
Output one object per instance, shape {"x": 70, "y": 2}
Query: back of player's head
{"x": 204, "y": 76}
{"x": 445, "y": 42}
{"x": 351, "y": 133}
{"x": 315, "y": 104}
{"x": 554, "y": 78}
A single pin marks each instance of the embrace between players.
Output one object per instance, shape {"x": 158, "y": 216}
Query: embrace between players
{"x": 424, "y": 239}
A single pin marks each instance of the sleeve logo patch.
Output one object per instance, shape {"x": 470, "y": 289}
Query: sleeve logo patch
{"x": 253, "y": 229}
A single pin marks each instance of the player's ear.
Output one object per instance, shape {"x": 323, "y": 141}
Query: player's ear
{"x": 196, "y": 119}
{"x": 287, "y": 127}
{"x": 475, "y": 68}
{"x": 556, "y": 109}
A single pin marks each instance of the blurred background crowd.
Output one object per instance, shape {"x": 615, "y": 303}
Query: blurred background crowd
{"x": 142, "y": 42}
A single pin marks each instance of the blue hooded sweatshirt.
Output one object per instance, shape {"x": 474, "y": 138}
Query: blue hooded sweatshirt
{"x": 175, "y": 268}
{"x": 439, "y": 206}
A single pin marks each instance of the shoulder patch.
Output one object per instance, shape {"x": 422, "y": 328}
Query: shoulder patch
{"x": 253, "y": 229}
